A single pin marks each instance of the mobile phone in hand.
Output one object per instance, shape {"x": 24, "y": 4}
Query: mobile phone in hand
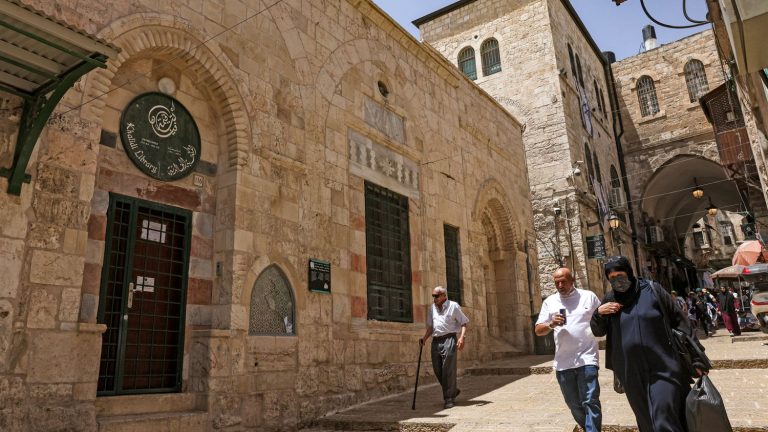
{"x": 562, "y": 312}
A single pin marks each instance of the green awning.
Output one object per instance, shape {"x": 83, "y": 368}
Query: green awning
{"x": 40, "y": 59}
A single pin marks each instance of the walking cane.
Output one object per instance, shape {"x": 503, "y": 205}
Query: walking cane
{"x": 418, "y": 368}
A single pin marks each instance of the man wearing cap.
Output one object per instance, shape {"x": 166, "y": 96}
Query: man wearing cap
{"x": 444, "y": 321}
{"x": 576, "y": 353}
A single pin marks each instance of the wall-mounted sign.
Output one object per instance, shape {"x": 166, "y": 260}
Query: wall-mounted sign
{"x": 319, "y": 275}
{"x": 596, "y": 246}
{"x": 160, "y": 136}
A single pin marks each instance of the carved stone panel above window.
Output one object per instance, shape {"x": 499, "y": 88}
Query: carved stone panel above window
{"x": 384, "y": 120}
{"x": 384, "y": 166}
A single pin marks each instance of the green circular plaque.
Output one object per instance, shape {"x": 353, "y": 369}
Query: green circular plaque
{"x": 160, "y": 136}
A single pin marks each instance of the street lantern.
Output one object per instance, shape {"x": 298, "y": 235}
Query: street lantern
{"x": 614, "y": 222}
{"x": 711, "y": 210}
{"x": 697, "y": 192}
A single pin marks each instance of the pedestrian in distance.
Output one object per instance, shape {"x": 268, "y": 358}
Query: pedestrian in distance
{"x": 568, "y": 314}
{"x": 727, "y": 310}
{"x": 447, "y": 325}
{"x": 638, "y": 316}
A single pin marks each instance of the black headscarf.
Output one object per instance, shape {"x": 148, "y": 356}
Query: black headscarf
{"x": 621, "y": 263}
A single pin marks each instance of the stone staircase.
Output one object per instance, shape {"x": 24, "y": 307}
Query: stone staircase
{"x": 149, "y": 413}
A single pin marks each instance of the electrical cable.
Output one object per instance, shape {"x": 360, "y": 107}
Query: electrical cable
{"x": 648, "y": 14}
{"x": 685, "y": 13}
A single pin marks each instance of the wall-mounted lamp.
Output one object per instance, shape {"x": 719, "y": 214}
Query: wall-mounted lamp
{"x": 614, "y": 222}
{"x": 697, "y": 191}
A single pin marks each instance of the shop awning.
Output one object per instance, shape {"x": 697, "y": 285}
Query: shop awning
{"x": 40, "y": 59}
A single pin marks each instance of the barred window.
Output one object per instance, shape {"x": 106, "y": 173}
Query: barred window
{"x": 452, "y": 263}
{"x": 696, "y": 80}
{"x": 726, "y": 229}
{"x": 467, "y": 63}
{"x": 580, "y": 75}
{"x": 489, "y": 51}
{"x": 272, "y": 304}
{"x": 597, "y": 98}
{"x": 388, "y": 255}
{"x": 646, "y": 95}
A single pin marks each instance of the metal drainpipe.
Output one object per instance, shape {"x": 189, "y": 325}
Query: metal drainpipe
{"x": 617, "y": 122}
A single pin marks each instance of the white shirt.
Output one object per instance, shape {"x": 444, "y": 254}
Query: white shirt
{"x": 575, "y": 345}
{"x": 448, "y": 320}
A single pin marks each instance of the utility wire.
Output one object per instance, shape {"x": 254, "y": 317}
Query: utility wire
{"x": 685, "y": 12}
{"x": 648, "y": 14}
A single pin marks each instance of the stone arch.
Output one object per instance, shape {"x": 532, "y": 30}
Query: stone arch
{"x": 138, "y": 33}
{"x": 491, "y": 206}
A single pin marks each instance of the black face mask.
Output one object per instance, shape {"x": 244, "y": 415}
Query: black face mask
{"x": 620, "y": 283}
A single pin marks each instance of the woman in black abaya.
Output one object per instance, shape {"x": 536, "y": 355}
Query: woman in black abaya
{"x": 637, "y": 316}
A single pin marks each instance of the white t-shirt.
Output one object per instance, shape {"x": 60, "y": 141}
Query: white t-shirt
{"x": 575, "y": 345}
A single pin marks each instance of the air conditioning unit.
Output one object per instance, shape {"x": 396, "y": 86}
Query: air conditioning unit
{"x": 617, "y": 199}
{"x": 654, "y": 234}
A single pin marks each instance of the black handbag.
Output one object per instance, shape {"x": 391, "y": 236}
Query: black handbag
{"x": 704, "y": 408}
{"x": 691, "y": 354}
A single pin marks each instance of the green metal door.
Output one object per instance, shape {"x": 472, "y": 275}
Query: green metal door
{"x": 143, "y": 297}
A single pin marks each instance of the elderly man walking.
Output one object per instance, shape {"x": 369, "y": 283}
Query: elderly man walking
{"x": 444, "y": 320}
{"x": 568, "y": 313}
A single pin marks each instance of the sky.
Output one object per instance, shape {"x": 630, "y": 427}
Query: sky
{"x": 614, "y": 28}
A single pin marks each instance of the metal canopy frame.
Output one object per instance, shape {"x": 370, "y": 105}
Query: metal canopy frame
{"x": 41, "y": 58}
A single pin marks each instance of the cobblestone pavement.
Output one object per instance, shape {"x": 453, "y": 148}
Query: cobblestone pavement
{"x": 532, "y": 402}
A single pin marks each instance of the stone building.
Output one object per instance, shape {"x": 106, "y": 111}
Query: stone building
{"x": 236, "y": 225}
{"x": 539, "y": 61}
{"x": 671, "y": 150}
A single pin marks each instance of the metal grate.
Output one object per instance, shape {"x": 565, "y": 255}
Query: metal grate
{"x": 489, "y": 52}
{"x": 272, "y": 305}
{"x": 453, "y": 263}
{"x": 695, "y": 80}
{"x": 388, "y": 255}
{"x": 467, "y": 63}
{"x": 145, "y": 292}
{"x": 646, "y": 95}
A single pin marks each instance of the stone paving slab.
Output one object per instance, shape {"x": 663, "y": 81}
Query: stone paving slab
{"x": 533, "y": 402}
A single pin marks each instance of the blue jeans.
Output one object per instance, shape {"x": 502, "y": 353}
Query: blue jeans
{"x": 582, "y": 395}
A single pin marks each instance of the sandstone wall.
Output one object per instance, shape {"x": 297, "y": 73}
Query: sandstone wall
{"x": 287, "y": 99}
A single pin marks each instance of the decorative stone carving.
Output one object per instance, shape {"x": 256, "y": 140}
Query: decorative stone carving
{"x": 384, "y": 120}
{"x": 382, "y": 165}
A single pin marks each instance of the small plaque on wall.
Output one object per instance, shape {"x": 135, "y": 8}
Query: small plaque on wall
{"x": 160, "y": 136}
{"x": 319, "y": 276}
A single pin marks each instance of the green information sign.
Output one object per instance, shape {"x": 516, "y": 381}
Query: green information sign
{"x": 160, "y": 136}
{"x": 596, "y": 247}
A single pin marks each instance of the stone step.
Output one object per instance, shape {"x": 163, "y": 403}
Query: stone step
{"x": 617, "y": 428}
{"x": 148, "y": 404}
{"x": 336, "y": 425}
{"x": 750, "y": 337}
{"x": 509, "y": 370}
{"x": 186, "y": 421}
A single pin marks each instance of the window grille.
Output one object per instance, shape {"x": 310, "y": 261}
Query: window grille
{"x": 727, "y": 231}
{"x": 646, "y": 95}
{"x": 388, "y": 255}
{"x": 696, "y": 80}
{"x": 467, "y": 63}
{"x": 272, "y": 305}
{"x": 491, "y": 58}
{"x": 452, "y": 263}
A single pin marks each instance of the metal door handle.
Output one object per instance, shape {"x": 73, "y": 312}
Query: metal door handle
{"x": 130, "y": 295}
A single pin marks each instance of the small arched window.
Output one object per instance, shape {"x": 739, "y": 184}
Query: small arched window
{"x": 489, "y": 52}
{"x": 695, "y": 79}
{"x": 590, "y": 167}
{"x": 579, "y": 74}
{"x": 615, "y": 180}
{"x": 598, "y": 101}
{"x": 273, "y": 309}
{"x": 646, "y": 95}
{"x": 573, "y": 62}
{"x": 602, "y": 100}
{"x": 598, "y": 174}
{"x": 467, "y": 63}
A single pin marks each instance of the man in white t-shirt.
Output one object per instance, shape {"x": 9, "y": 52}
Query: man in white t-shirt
{"x": 568, "y": 313}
